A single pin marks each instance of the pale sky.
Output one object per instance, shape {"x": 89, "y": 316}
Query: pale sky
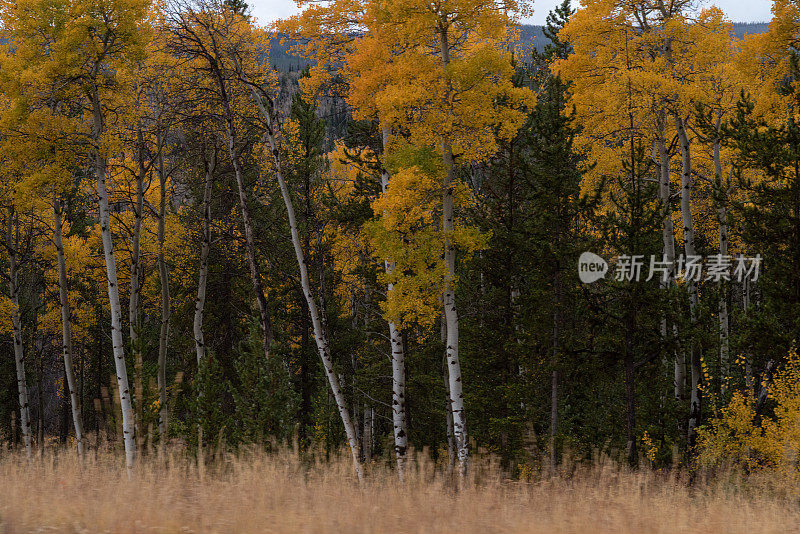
{"x": 737, "y": 10}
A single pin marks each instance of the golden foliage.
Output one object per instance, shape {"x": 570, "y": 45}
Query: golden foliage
{"x": 741, "y": 437}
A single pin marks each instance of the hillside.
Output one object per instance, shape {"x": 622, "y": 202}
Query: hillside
{"x": 532, "y": 35}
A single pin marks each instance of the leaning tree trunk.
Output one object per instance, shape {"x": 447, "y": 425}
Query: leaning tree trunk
{"x": 19, "y": 351}
{"x": 66, "y": 326}
{"x": 163, "y": 274}
{"x": 688, "y": 240}
{"x": 722, "y": 216}
{"x": 449, "y": 295}
{"x": 202, "y": 277}
{"x": 250, "y": 248}
{"x": 134, "y": 325}
{"x": 398, "y": 362}
{"x": 320, "y": 335}
{"x": 118, "y": 347}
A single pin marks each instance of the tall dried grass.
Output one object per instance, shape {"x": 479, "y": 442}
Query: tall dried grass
{"x": 258, "y": 492}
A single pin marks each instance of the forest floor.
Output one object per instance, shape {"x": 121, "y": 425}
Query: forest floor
{"x": 256, "y": 492}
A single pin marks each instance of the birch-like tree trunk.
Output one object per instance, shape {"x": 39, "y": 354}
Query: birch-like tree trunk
{"x": 66, "y": 325}
{"x": 134, "y": 324}
{"x": 163, "y": 275}
{"x": 398, "y": 360}
{"x": 205, "y": 248}
{"x": 451, "y": 442}
{"x": 722, "y": 217}
{"x": 320, "y": 333}
{"x": 668, "y": 244}
{"x": 19, "y": 350}
{"x": 118, "y": 347}
{"x": 449, "y": 295}
{"x": 688, "y": 241}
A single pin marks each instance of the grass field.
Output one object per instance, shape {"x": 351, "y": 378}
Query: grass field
{"x": 256, "y": 492}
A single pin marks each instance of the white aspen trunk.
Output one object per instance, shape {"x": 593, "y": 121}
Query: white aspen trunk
{"x": 722, "y": 216}
{"x": 451, "y": 442}
{"x": 449, "y": 295}
{"x": 451, "y": 320}
{"x": 398, "y": 361}
{"x": 19, "y": 350}
{"x": 101, "y": 165}
{"x": 66, "y": 326}
{"x": 320, "y": 335}
{"x": 688, "y": 240}
{"x": 202, "y": 277}
{"x": 134, "y": 324}
{"x": 668, "y": 243}
{"x": 163, "y": 274}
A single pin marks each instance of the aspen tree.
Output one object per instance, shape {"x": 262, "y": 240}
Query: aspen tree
{"x": 328, "y": 39}
{"x": 437, "y": 70}
{"x": 11, "y": 243}
{"x": 223, "y": 39}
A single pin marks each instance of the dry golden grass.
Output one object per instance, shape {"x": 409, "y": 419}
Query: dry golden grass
{"x": 256, "y": 492}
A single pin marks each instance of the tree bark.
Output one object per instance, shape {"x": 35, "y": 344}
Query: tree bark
{"x": 688, "y": 240}
{"x": 101, "y": 165}
{"x": 722, "y": 216}
{"x": 134, "y": 324}
{"x": 252, "y": 261}
{"x": 668, "y": 243}
{"x": 66, "y": 326}
{"x": 449, "y": 296}
{"x": 398, "y": 360}
{"x": 320, "y": 334}
{"x": 19, "y": 350}
{"x": 163, "y": 275}
{"x": 205, "y": 249}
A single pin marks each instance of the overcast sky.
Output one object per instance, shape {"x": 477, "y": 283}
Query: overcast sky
{"x": 737, "y": 10}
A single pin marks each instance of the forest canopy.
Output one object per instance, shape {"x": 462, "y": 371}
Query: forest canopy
{"x": 370, "y": 227}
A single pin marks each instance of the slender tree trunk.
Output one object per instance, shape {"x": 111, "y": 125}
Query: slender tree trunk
{"x": 451, "y": 319}
{"x": 66, "y": 326}
{"x": 668, "y": 243}
{"x": 163, "y": 275}
{"x": 252, "y": 261}
{"x": 205, "y": 249}
{"x": 19, "y": 350}
{"x": 688, "y": 240}
{"x": 451, "y": 440}
{"x": 449, "y": 295}
{"x": 134, "y": 324}
{"x": 630, "y": 386}
{"x": 320, "y": 334}
{"x": 367, "y": 436}
{"x": 118, "y": 347}
{"x": 398, "y": 361}
{"x": 554, "y": 373}
{"x": 722, "y": 216}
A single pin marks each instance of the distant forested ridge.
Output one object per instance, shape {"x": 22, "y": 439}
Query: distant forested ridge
{"x": 532, "y": 35}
